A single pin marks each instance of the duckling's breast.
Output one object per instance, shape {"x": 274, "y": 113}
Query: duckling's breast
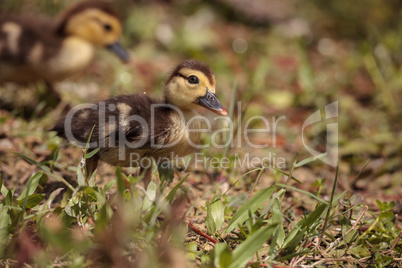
{"x": 183, "y": 136}
{"x": 73, "y": 57}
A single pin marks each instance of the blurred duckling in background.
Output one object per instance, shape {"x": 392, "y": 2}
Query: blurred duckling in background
{"x": 33, "y": 49}
{"x": 130, "y": 128}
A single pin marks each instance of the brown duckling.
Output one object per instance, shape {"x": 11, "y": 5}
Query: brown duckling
{"x": 130, "y": 128}
{"x": 34, "y": 49}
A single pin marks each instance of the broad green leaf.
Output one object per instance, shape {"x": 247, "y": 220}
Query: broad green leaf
{"x": 33, "y": 183}
{"x": 277, "y": 218}
{"x": 209, "y": 221}
{"x": 249, "y": 247}
{"x": 250, "y": 206}
{"x": 92, "y": 153}
{"x": 222, "y": 256}
{"x": 191, "y": 251}
{"x": 32, "y": 200}
{"x": 386, "y": 216}
{"x": 90, "y": 193}
{"x": 360, "y": 251}
{"x": 218, "y": 213}
{"x": 4, "y": 219}
{"x": 80, "y": 176}
{"x": 149, "y": 199}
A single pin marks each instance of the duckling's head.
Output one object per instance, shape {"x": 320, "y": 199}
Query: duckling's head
{"x": 192, "y": 83}
{"x": 96, "y": 22}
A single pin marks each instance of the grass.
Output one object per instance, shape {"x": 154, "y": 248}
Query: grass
{"x": 121, "y": 225}
{"x": 302, "y": 214}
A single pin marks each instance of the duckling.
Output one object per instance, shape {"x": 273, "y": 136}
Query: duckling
{"x": 33, "y": 49}
{"x": 130, "y": 128}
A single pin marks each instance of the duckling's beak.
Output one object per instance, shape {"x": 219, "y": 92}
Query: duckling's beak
{"x": 120, "y": 51}
{"x": 210, "y": 102}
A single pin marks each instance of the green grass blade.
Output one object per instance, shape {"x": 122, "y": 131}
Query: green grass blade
{"x": 172, "y": 194}
{"x": 294, "y": 237}
{"x": 46, "y": 170}
{"x": 91, "y": 153}
{"x": 250, "y": 206}
{"x": 304, "y": 192}
{"x": 246, "y": 250}
{"x": 119, "y": 180}
{"x": 287, "y": 174}
{"x": 271, "y": 202}
{"x": 32, "y": 184}
{"x": 310, "y": 159}
{"x": 330, "y": 202}
{"x": 353, "y": 182}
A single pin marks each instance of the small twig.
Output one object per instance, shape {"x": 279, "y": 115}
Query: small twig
{"x": 211, "y": 239}
{"x": 308, "y": 245}
{"x": 368, "y": 243}
{"x": 296, "y": 262}
{"x": 357, "y": 220}
{"x": 271, "y": 265}
{"x": 329, "y": 260}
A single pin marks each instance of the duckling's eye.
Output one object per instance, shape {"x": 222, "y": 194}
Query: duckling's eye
{"x": 192, "y": 79}
{"x": 107, "y": 27}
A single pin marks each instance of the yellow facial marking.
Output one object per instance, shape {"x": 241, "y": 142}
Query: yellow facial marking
{"x": 203, "y": 79}
{"x": 183, "y": 94}
{"x": 13, "y": 31}
{"x": 96, "y": 26}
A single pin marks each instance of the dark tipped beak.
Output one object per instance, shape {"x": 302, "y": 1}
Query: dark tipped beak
{"x": 210, "y": 102}
{"x": 120, "y": 51}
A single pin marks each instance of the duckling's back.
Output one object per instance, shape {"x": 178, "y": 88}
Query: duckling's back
{"x": 26, "y": 44}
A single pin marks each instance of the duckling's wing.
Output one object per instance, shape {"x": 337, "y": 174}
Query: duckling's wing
{"x": 136, "y": 121}
{"x": 80, "y": 125}
{"x": 24, "y": 40}
{"x": 149, "y": 121}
